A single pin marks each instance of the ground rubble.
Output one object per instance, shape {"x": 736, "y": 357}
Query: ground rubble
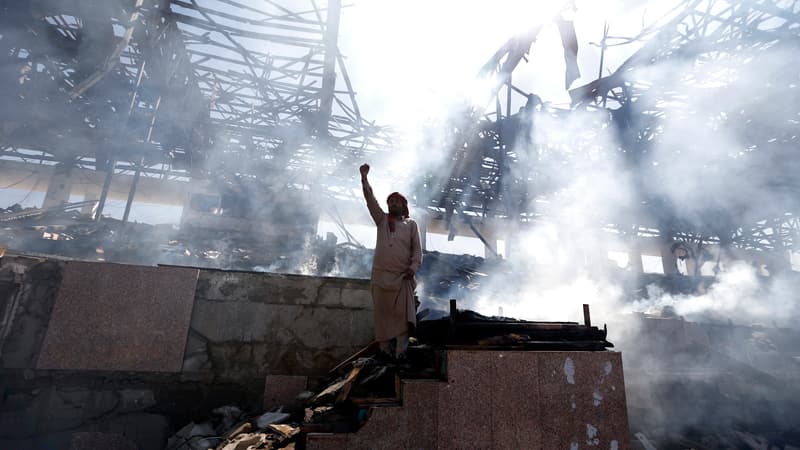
{"x": 340, "y": 405}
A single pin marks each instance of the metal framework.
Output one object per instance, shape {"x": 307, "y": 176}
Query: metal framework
{"x": 257, "y": 90}
{"x": 494, "y": 160}
{"x": 182, "y": 89}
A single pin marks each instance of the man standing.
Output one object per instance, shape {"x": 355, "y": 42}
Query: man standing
{"x": 398, "y": 255}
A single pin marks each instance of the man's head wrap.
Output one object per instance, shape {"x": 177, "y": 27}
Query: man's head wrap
{"x": 402, "y": 200}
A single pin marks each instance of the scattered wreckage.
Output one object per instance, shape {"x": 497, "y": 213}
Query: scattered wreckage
{"x": 369, "y": 378}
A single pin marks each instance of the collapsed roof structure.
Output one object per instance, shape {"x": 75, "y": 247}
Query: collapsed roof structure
{"x": 142, "y": 99}
{"x": 176, "y": 90}
{"x": 697, "y": 63}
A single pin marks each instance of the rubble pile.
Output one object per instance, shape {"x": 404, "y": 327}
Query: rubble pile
{"x": 230, "y": 429}
{"x": 67, "y": 232}
{"x": 341, "y": 405}
{"x": 370, "y": 378}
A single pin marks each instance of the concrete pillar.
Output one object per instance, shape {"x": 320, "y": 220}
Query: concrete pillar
{"x": 90, "y": 208}
{"x": 668, "y": 261}
{"x": 488, "y": 233}
{"x": 635, "y": 258}
{"x": 59, "y": 188}
{"x": 511, "y": 237}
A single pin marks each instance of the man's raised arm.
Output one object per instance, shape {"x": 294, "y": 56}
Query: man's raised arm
{"x": 372, "y": 204}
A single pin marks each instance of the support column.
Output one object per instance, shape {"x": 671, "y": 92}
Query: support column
{"x": 132, "y": 191}
{"x": 329, "y": 66}
{"x": 511, "y": 237}
{"x": 59, "y": 188}
{"x": 669, "y": 263}
{"x": 104, "y": 193}
{"x": 490, "y": 235}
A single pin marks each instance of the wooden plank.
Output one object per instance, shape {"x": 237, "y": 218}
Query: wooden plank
{"x": 349, "y": 381}
{"x": 369, "y": 349}
{"x": 337, "y": 386}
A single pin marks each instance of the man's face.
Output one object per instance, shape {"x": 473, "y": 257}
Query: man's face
{"x": 395, "y": 206}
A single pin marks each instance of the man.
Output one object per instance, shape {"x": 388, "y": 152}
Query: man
{"x": 398, "y": 255}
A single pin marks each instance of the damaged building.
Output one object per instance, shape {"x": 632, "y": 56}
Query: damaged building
{"x": 185, "y": 254}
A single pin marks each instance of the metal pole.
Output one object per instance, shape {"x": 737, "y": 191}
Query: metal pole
{"x": 602, "y": 58}
{"x": 329, "y": 66}
{"x": 132, "y": 192}
{"x": 107, "y": 182}
{"x": 104, "y": 193}
{"x": 587, "y": 320}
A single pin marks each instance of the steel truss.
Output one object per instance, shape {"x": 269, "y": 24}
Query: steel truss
{"x": 491, "y": 151}
{"x": 194, "y": 89}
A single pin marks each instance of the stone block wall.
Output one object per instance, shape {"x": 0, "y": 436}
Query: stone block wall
{"x": 248, "y": 324}
{"x": 243, "y": 325}
{"x": 65, "y": 381}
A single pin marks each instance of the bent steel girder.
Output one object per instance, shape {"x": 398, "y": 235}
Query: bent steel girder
{"x": 661, "y": 82}
{"x": 189, "y": 89}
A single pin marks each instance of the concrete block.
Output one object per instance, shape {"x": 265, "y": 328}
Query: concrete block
{"x": 516, "y": 403}
{"x": 357, "y": 298}
{"x": 327, "y": 441}
{"x": 505, "y": 399}
{"x": 243, "y": 321}
{"x": 584, "y": 394}
{"x": 464, "y": 421}
{"x": 421, "y": 401}
{"x": 375, "y": 433}
{"x": 329, "y": 296}
{"x": 257, "y": 287}
{"x": 119, "y": 317}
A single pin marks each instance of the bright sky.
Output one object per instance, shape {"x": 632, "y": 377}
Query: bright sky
{"x": 412, "y": 58}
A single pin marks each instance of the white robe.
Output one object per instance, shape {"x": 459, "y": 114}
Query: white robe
{"x": 395, "y": 252}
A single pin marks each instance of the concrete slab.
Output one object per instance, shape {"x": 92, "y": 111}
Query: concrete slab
{"x": 501, "y": 400}
{"x": 516, "y": 401}
{"x": 584, "y": 393}
{"x": 119, "y": 317}
{"x": 465, "y": 419}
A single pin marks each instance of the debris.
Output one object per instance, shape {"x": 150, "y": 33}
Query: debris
{"x": 644, "y": 441}
{"x": 194, "y": 437}
{"x": 247, "y": 441}
{"x": 286, "y": 430}
{"x": 243, "y": 428}
{"x": 270, "y": 418}
{"x": 369, "y": 349}
{"x": 341, "y": 385}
